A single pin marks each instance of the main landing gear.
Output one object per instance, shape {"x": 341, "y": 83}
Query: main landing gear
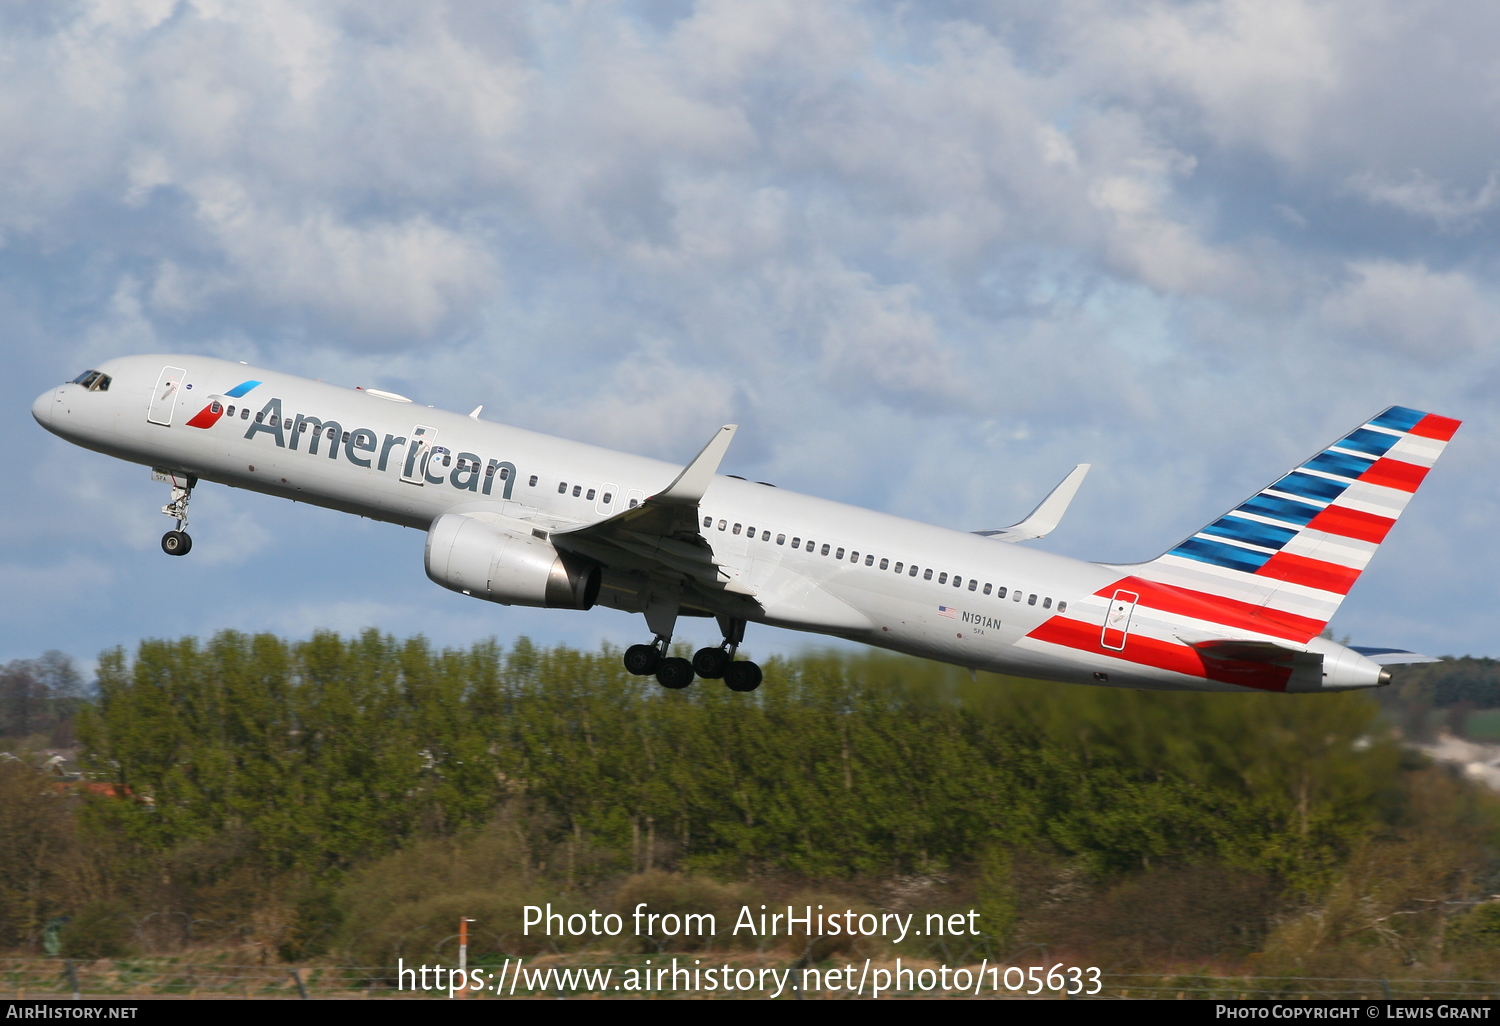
{"x": 710, "y": 663}
{"x": 178, "y": 542}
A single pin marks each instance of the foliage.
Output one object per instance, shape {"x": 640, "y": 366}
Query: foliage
{"x": 333, "y": 750}
{"x": 38, "y": 697}
{"x": 355, "y": 796}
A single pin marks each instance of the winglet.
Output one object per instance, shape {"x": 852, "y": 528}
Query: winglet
{"x": 1048, "y": 513}
{"x": 694, "y": 480}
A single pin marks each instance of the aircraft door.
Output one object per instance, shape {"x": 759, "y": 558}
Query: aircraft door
{"x": 1117, "y": 619}
{"x": 164, "y": 399}
{"x": 418, "y": 451}
{"x": 608, "y": 493}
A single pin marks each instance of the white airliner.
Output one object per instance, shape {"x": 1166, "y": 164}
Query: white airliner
{"x": 521, "y": 518}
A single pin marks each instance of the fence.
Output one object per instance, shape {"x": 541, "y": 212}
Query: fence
{"x": 168, "y": 978}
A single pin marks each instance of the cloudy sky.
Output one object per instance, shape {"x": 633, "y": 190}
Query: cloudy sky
{"x": 928, "y": 256}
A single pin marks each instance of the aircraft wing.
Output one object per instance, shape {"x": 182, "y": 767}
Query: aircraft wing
{"x": 1048, "y": 513}
{"x": 664, "y": 531}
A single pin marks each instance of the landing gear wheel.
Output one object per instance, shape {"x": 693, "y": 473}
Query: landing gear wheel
{"x": 177, "y": 543}
{"x": 710, "y": 663}
{"x": 642, "y": 660}
{"x": 675, "y": 673}
{"x": 742, "y": 676}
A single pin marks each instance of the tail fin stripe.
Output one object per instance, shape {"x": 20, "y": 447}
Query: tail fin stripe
{"x": 1288, "y": 511}
{"x": 1373, "y": 442}
{"x": 1216, "y": 609}
{"x": 1311, "y": 573}
{"x": 1352, "y": 523}
{"x": 1433, "y": 426}
{"x": 1218, "y": 553}
{"x": 1309, "y": 487}
{"x": 1395, "y": 474}
{"x": 1339, "y": 464}
{"x": 1252, "y": 532}
{"x": 1400, "y": 418}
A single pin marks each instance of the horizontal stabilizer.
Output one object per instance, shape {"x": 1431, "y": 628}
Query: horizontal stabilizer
{"x": 1261, "y": 664}
{"x": 1048, "y": 513}
{"x": 1392, "y": 656}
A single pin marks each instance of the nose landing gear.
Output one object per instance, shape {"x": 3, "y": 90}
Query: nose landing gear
{"x": 178, "y": 542}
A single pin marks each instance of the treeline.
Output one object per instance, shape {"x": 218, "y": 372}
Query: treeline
{"x": 334, "y": 749}
{"x": 338, "y": 794}
{"x": 1428, "y": 697}
{"x": 38, "y": 698}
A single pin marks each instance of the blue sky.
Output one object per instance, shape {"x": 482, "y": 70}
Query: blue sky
{"x": 927, "y": 256}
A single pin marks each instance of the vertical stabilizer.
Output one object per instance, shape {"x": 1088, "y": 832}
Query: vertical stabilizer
{"x": 1282, "y": 561}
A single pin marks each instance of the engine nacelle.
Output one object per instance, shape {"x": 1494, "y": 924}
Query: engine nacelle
{"x": 490, "y": 562}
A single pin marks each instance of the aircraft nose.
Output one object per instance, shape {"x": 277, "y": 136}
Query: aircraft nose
{"x": 42, "y": 408}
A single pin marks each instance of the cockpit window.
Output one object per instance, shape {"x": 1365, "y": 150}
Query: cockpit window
{"x": 85, "y": 379}
{"x": 93, "y": 381}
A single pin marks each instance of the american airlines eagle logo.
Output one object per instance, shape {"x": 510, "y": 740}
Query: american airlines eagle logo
{"x": 210, "y": 414}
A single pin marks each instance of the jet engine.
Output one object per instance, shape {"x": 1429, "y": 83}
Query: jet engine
{"x": 491, "y": 562}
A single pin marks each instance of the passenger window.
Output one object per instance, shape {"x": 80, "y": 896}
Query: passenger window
{"x": 532, "y": 482}
{"x": 854, "y": 557}
{"x": 796, "y": 542}
{"x": 229, "y": 412}
{"x": 274, "y": 420}
{"x": 913, "y": 571}
{"x": 708, "y": 521}
{"x": 260, "y": 417}
{"x": 781, "y": 539}
{"x": 505, "y": 476}
{"x": 900, "y": 567}
{"x": 608, "y": 497}
{"x": 1062, "y": 607}
{"x": 750, "y": 533}
{"x": 869, "y": 561}
{"x": 839, "y": 554}
{"x": 987, "y": 588}
{"x": 957, "y": 581}
{"x": 722, "y": 525}
{"x": 810, "y": 545}
{"x": 926, "y": 574}
{"x": 215, "y": 407}
{"x": 301, "y": 428}
{"x": 1047, "y": 602}
{"x": 825, "y": 548}
{"x": 1001, "y": 592}
{"x": 973, "y": 584}
{"x": 1016, "y": 597}
{"x": 562, "y": 488}
{"x": 244, "y": 413}
{"x": 447, "y": 456}
{"x": 634, "y": 503}
{"x": 884, "y": 563}
{"x": 576, "y": 490}
{"x": 590, "y": 495}
{"x": 1032, "y": 600}
{"x": 942, "y": 578}
{"x": 736, "y": 529}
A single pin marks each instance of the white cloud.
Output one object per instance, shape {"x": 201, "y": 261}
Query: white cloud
{"x": 1418, "y": 312}
{"x": 928, "y": 256}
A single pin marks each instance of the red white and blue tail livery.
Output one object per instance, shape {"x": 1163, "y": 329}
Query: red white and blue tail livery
{"x": 519, "y": 518}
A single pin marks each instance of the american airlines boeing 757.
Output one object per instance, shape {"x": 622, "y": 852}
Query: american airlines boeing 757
{"x": 521, "y": 518}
